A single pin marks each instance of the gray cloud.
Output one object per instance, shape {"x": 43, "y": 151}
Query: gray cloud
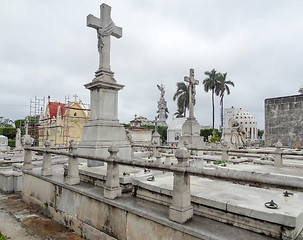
{"x": 46, "y": 49}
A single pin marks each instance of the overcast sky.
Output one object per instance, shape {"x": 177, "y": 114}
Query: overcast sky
{"x": 46, "y": 49}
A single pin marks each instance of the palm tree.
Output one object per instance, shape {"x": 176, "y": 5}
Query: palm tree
{"x": 211, "y": 84}
{"x": 179, "y": 113}
{"x": 220, "y": 91}
{"x": 182, "y": 96}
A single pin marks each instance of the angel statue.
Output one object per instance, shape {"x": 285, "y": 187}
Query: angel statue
{"x": 161, "y": 88}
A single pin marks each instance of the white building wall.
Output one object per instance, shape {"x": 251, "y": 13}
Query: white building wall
{"x": 174, "y": 130}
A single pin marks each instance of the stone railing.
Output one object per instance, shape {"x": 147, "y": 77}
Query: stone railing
{"x": 225, "y": 152}
{"x": 181, "y": 210}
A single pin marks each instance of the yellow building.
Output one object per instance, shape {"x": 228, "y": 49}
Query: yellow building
{"x": 62, "y": 122}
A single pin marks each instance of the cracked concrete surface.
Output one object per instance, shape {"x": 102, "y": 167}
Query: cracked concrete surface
{"x": 19, "y": 221}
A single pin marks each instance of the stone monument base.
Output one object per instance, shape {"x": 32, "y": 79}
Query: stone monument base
{"x": 180, "y": 215}
{"x": 99, "y": 136}
{"x": 191, "y": 134}
{"x": 227, "y": 136}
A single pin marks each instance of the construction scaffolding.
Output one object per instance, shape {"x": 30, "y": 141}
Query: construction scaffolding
{"x": 60, "y": 126}
{"x": 36, "y": 107}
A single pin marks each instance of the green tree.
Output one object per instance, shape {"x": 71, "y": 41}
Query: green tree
{"x": 182, "y": 97}
{"x": 206, "y": 132}
{"x": 33, "y": 123}
{"x": 162, "y": 130}
{"x": 210, "y": 84}
{"x": 9, "y": 132}
{"x": 223, "y": 86}
{"x": 260, "y": 133}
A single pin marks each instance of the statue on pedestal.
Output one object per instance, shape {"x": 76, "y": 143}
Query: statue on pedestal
{"x": 162, "y": 108}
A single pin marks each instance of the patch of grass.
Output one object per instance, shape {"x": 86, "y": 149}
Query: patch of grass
{"x": 2, "y": 237}
{"x": 217, "y": 162}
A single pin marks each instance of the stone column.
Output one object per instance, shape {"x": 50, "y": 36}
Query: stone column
{"x": 155, "y": 149}
{"x": 278, "y": 154}
{"x": 72, "y": 177}
{"x": 46, "y": 169}
{"x": 27, "y": 165}
{"x": 112, "y": 187}
{"x": 181, "y": 210}
{"x": 225, "y": 155}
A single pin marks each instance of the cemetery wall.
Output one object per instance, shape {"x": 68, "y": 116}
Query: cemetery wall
{"x": 284, "y": 120}
{"x": 97, "y": 218}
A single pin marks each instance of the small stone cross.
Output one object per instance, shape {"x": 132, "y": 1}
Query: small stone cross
{"x": 192, "y": 90}
{"x": 105, "y": 28}
{"x": 75, "y": 96}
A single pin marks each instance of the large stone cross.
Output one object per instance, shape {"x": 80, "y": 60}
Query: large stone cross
{"x": 192, "y": 90}
{"x": 105, "y": 28}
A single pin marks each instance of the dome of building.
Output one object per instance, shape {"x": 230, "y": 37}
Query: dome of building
{"x": 245, "y": 118}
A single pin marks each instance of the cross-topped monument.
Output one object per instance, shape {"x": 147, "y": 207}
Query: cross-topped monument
{"x": 103, "y": 128}
{"x": 105, "y": 28}
{"x": 192, "y": 90}
{"x": 191, "y": 128}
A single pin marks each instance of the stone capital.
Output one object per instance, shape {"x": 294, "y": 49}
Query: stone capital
{"x": 101, "y": 82}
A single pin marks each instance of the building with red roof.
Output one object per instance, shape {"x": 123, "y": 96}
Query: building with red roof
{"x": 61, "y": 122}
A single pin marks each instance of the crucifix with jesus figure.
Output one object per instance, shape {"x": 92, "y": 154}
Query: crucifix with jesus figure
{"x": 192, "y": 91}
{"x": 105, "y": 28}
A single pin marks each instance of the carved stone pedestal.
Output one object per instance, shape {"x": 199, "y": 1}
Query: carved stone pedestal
{"x": 191, "y": 134}
{"x": 181, "y": 209}
{"x": 103, "y": 129}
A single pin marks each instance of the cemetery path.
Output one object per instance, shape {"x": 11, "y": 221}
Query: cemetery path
{"x": 19, "y": 221}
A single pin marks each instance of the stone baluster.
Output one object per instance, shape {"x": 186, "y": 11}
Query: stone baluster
{"x": 155, "y": 149}
{"x": 167, "y": 159}
{"x": 158, "y": 159}
{"x": 27, "y": 165}
{"x": 46, "y": 169}
{"x": 181, "y": 209}
{"x": 72, "y": 177}
{"x": 278, "y": 154}
{"x": 225, "y": 154}
{"x": 112, "y": 187}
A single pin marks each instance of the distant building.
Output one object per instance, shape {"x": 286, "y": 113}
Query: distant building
{"x": 174, "y": 131}
{"x": 284, "y": 120}
{"x": 246, "y": 119}
{"x": 62, "y": 122}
